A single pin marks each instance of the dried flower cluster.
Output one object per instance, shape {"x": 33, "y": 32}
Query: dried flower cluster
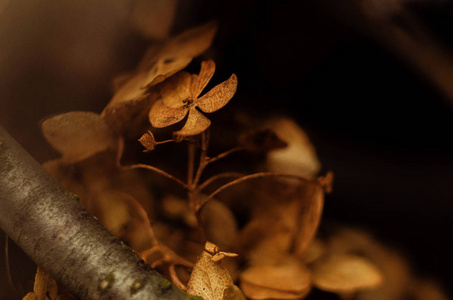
{"x": 227, "y": 235}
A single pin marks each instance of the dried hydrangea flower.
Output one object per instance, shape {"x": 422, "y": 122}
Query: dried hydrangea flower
{"x": 180, "y": 97}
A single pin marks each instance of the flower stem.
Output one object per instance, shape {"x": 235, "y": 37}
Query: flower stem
{"x": 157, "y": 170}
{"x": 245, "y": 178}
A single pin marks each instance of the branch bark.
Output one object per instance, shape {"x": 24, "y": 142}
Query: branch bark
{"x": 50, "y": 225}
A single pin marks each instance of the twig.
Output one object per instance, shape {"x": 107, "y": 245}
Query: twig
{"x": 157, "y": 170}
{"x": 218, "y": 176}
{"x": 51, "y": 226}
{"x": 248, "y": 177}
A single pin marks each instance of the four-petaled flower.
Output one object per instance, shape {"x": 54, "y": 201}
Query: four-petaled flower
{"x": 180, "y": 97}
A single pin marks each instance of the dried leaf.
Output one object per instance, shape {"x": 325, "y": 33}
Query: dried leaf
{"x": 196, "y": 123}
{"x": 218, "y": 96}
{"x": 345, "y": 273}
{"x": 298, "y": 157}
{"x": 288, "y": 278}
{"x": 261, "y": 141}
{"x": 209, "y": 278}
{"x": 78, "y": 135}
{"x": 148, "y": 141}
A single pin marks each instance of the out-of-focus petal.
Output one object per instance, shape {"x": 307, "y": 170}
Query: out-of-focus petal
{"x": 161, "y": 115}
{"x": 219, "y": 96}
{"x": 176, "y": 89}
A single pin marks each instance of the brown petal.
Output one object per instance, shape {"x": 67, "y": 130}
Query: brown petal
{"x": 196, "y": 124}
{"x": 309, "y": 218}
{"x": 345, "y": 273}
{"x": 177, "y": 53}
{"x": 192, "y": 42}
{"x": 206, "y": 72}
{"x": 148, "y": 141}
{"x": 165, "y": 67}
{"x": 133, "y": 89}
{"x": 299, "y": 157}
{"x": 218, "y": 96}
{"x": 209, "y": 279}
{"x": 176, "y": 89}
{"x": 161, "y": 115}
{"x": 288, "y": 276}
{"x": 78, "y": 135}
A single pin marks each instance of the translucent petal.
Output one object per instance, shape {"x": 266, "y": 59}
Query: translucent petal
{"x": 219, "y": 96}
{"x": 176, "y": 89}
{"x": 196, "y": 124}
{"x": 161, "y": 115}
{"x": 206, "y": 72}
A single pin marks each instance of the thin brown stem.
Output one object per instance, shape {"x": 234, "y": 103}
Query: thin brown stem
{"x": 204, "y": 160}
{"x": 225, "y": 154}
{"x": 190, "y": 163}
{"x": 157, "y": 170}
{"x": 245, "y": 178}
{"x": 218, "y": 176}
{"x": 166, "y": 141}
{"x": 174, "y": 277}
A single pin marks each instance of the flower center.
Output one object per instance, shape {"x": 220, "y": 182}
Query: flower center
{"x": 187, "y": 102}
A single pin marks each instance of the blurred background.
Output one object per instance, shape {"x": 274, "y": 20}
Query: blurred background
{"x": 371, "y": 82}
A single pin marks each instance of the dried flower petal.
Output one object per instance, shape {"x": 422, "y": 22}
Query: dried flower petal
{"x": 161, "y": 115}
{"x": 345, "y": 273}
{"x": 148, "y": 141}
{"x": 233, "y": 293}
{"x": 78, "y": 135}
{"x": 290, "y": 277}
{"x": 209, "y": 279}
{"x": 196, "y": 123}
{"x": 218, "y": 96}
{"x": 176, "y": 89}
{"x": 299, "y": 157}
{"x": 206, "y": 72}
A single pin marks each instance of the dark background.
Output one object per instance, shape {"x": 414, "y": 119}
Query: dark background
{"x": 380, "y": 124}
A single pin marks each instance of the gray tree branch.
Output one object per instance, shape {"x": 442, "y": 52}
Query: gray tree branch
{"x": 50, "y": 225}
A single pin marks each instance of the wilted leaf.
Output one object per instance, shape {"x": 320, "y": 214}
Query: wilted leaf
{"x": 209, "y": 278}
{"x": 78, "y": 135}
{"x": 345, "y": 273}
{"x": 299, "y": 156}
{"x": 288, "y": 279}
